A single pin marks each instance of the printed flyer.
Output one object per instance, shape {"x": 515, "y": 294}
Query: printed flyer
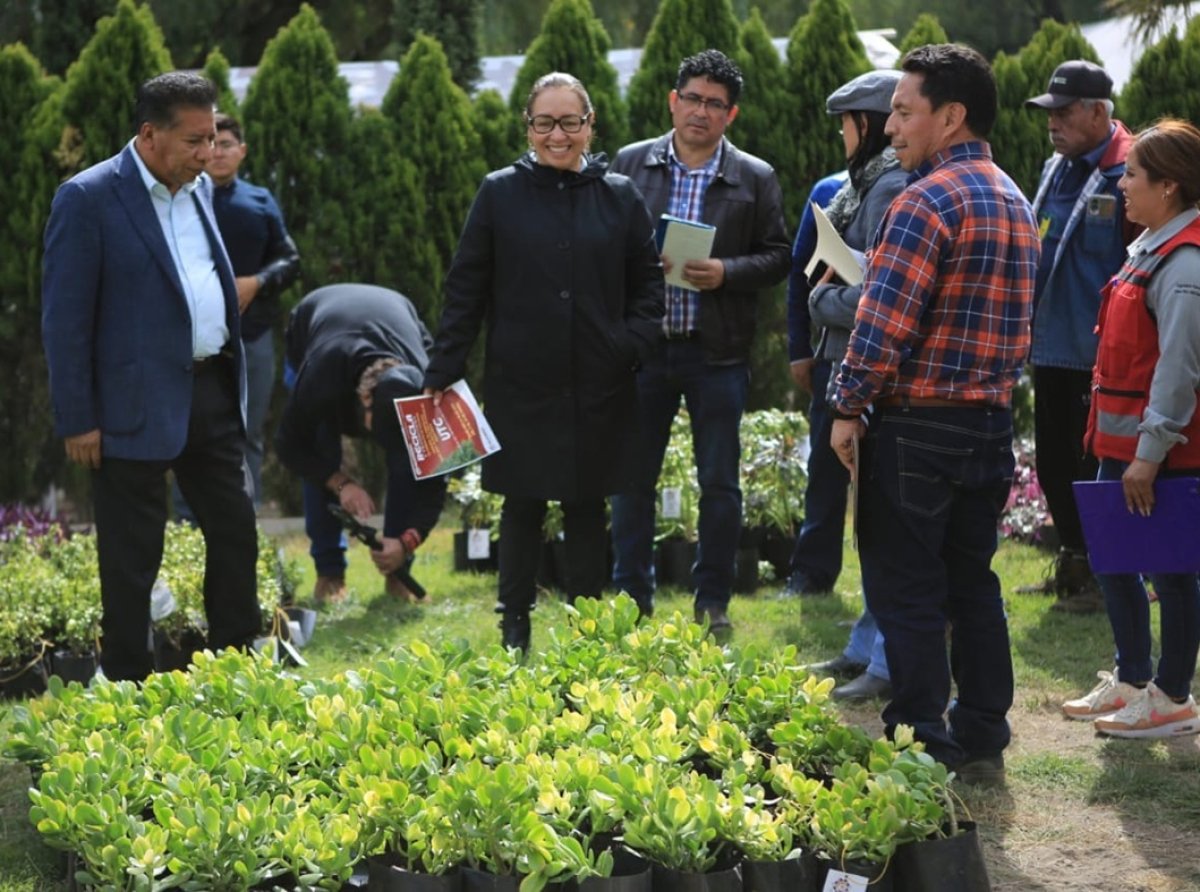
{"x": 444, "y": 438}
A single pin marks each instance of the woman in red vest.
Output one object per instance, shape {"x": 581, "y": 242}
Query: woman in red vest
{"x": 1144, "y": 424}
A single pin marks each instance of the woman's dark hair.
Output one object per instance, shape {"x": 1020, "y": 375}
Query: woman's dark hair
{"x": 871, "y": 139}
{"x": 1167, "y": 150}
{"x": 559, "y": 79}
{"x": 951, "y": 72}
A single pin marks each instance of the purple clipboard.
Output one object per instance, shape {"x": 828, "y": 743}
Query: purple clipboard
{"x": 1168, "y": 541}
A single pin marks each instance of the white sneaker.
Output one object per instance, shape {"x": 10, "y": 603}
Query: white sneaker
{"x": 1104, "y": 699}
{"x": 1152, "y": 714}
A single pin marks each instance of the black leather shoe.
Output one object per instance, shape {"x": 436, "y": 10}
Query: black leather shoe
{"x": 719, "y": 625}
{"x": 804, "y": 587}
{"x": 840, "y": 666}
{"x": 1087, "y": 599}
{"x": 985, "y": 771}
{"x": 865, "y": 687}
{"x": 514, "y": 631}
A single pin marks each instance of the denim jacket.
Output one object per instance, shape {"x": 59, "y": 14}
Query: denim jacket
{"x": 1064, "y": 319}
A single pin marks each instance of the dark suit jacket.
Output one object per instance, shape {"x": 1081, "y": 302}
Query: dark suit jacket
{"x": 115, "y": 320}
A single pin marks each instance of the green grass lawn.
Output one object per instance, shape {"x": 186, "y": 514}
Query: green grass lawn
{"x": 1075, "y": 804}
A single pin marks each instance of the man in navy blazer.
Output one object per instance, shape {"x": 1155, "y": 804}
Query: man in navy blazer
{"x": 141, "y": 330}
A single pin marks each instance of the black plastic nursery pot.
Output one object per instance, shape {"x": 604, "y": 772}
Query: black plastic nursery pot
{"x": 879, "y": 877}
{"x": 668, "y": 880}
{"x": 384, "y": 874}
{"x": 169, "y": 655}
{"x": 776, "y": 548}
{"x": 745, "y": 570}
{"x": 24, "y": 678}
{"x": 481, "y": 881}
{"x": 464, "y": 564}
{"x": 73, "y": 667}
{"x": 630, "y": 873}
{"x": 793, "y": 875}
{"x": 951, "y": 864}
{"x": 675, "y": 560}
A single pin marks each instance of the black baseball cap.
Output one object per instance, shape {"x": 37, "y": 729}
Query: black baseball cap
{"x": 1073, "y": 80}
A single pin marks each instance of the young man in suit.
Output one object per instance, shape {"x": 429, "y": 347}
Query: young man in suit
{"x": 141, "y": 328}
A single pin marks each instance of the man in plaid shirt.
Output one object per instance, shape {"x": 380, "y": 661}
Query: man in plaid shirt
{"x": 940, "y": 336}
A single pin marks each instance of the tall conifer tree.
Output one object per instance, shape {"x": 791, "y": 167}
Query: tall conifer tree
{"x": 1164, "y": 80}
{"x": 925, "y": 30}
{"x": 823, "y": 53}
{"x": 1019, "y": 139}
{"x": 764, "y": 127}
{"x": 297, "y": 122}
{"x": 501, "y": 139}
{"x": 681, "y": 28}
{"x": 388, "y": 214}
{"x": 24, "y": 421}
{"x": 573, "y": 40}
{"x": 455, "y": 24}
{"x": 216, "y": 69}
{"x": 434, "y": 130}
{"x": 126, "y": 50}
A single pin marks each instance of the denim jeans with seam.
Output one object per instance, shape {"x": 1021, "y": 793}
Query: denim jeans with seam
{"x": 715, "y": 396}
{"x": 933, "y": 483}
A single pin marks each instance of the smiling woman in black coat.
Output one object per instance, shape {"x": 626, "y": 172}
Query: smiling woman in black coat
{"x": 558, "y": 257}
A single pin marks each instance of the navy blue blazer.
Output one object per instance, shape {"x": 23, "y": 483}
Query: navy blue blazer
{"x": 115, "y": 321}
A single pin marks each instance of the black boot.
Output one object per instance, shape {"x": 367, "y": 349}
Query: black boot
{"x": 514, "y": 631}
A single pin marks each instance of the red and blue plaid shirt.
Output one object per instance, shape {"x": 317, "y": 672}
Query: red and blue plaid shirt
{"x": 948, "y": 294}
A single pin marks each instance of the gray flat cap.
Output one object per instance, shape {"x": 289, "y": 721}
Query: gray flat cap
{"x": 867, "y": 92}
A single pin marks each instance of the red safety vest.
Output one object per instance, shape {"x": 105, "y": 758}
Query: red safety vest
{"x": 1125, "y": 362}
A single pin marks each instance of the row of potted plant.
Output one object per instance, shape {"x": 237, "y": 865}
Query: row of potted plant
{"x": 773, "y": 478}
{"x": 50, "y": 604}
{"x": 623, "y": 737}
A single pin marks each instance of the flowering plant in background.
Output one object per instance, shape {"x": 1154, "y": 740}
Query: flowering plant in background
{"x": 35, "y": 522}
{"x": 1025, "y": 515}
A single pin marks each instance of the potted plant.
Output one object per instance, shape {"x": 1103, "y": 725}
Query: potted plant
{"x": 937, "y": 850}
{"x": 28, "y": 588}
{"x": 76, "y": 613}
{"x": 855, "y": 825}
{"x": 677, "y": 517}
{"x": 475, "y": 543}
{"x": 680, "y": 826}
{"x": 774, "y": 477}
{"x": 177, "y": 600}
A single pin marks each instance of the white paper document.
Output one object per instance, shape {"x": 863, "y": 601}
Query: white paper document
{"x": 834, "y": 252}
{"x": 682, "y": 240}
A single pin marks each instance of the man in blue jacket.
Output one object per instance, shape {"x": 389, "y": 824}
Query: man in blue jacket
{"x": 265, "y": 262}
{"x": 142, "y": 334}
{"x": 1081, "y": 219}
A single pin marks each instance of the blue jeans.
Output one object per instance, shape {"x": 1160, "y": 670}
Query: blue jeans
{"x": 866, "y": 646}
{"x": 933, "y": 483}
{"x": 260, "y": 381}
{"x": 817, "y": 557}
{"x": 715, "y": 396}
{"x": 326, "y": 541}
{"x": 1129, "y": 615}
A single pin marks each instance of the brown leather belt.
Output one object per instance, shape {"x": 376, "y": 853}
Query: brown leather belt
{"x": 904, "y": 401}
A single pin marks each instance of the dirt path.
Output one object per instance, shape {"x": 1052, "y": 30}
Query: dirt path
{"x": 1042, "y": 834}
